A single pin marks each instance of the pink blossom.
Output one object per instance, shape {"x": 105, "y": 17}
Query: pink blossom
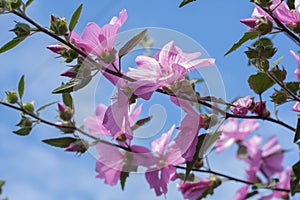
{"x": 242, "y": 193}
{"x": 112, "y": 161}
{"x": 194, "y": 190}
{"x": 56, "y": 48}
{"x": 296, "y": 107}
{"x": 267, "y": 160}
{"x": 187, "y": 138}
{"x": 233, "y": 132}
{"x": 169, "y": 65}
{"x": 97, "y": 40}
{"x": 159, "y": 175}
{"x": 297, "y": 71}
{"x": 284, "y": 14}
{"x": 241, "y": 106}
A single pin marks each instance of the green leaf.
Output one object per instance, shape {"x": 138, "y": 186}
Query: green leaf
{"x": 45, "y": 106}
{"x": 21, "y": 87}
{"x": 2, "y": 182}
{"x": 190, "y": 164}
{"x": 291, "y": 4}
{"x": 75, "y": 18}
{"x": 23, "y": 131}
{"x": 123, "y": 177}
{"x": 293, "y": 86}
{"x": 260, "y": 82}
{"x": 295, "y": 178}
{"x": 28, "y": 3}
{"x": 68, "y": 100}
{"x": 247, "y": 36}
{"x": 132, "y": 43}
{"x": 11, "y": 44}
{"x": 278, "y": 61}
{"x": 185, "y": 2}
{"x": 141, "y": 122}
{"x": 63, "y": 142}
{"x": 297, "y": 132}
{"x": 71, "y": 86}
{"x": 242, "y": 151}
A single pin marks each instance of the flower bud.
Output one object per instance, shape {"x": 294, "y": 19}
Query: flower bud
{"x": 12, "y": 97}
{"x": 263, "y": 3}
{"x": 79, "y": 146}
{"x": 13, "y": 4}
{"x": 295, "y": 27}
{"x": 250, "y": 22}
{"x": 56, "y": 48}
{"x": 29, "y": 107}
{"x": 65, "y": 112}
{"x": 209, "y": 120}
{"x": 71, "y": 73}
{"x": 21, "y": 30}
{"x": 265, "y": 26}
{"x": 58, "y": 26}
{"x": 25, "y": 122}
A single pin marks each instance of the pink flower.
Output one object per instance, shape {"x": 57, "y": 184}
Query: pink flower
{"x": 241, "y": 106}
{"x": 267, "y": 160}
{"x": 194, "y": 190}
{"x": 159, "y": 175}
{"x": 297, "y": 71}
{"x": 242, "y": 193}
{"x": 97, "y": 40}
{"x": 284, "y": 14}
{"x": 112, "y": 161}
{"x": 296, "y": 107}
{"x": 169, "y": 65}
{"x": 233, "y": 132}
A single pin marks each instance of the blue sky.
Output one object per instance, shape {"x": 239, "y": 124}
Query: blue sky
{"x": 34, "y": 170}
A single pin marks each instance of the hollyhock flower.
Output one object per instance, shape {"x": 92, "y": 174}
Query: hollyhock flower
{"x": 297, "y": 71}
{"x": 189, "y": 128}
{"x": 96, "y": 124}
{"x": 267, "y": 160}
{"x": 97, "y": 40}
{"x": 169, "y": 65}
{"x": 233, "y": 132}
{"x": 296, "y": 107}
{"x": 242, "y": 193}
{"x": 272, "y": 154}
{"x": 159, "y": 175}
{"x": 284, "y": 14}
{"x": 194, "y": 190}
{"x": 112, "y": 161}
{"x": 241, "y": 106}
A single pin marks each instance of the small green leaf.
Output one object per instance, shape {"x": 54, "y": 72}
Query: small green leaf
{"x": 278, "y": 61}
{"x": 63, "y": 142}
{"x": 67, "y": 99}
{"x": 11, "y": 44}
{"x": 247, "y": 36}
{"x": 141, "y": 122}
{"x": 2, "y": 182}
{"x": 45, "y": 106}
{"x": 293, "y": 86}
{"x": 185, "y": 2}
{"x": 21, "y": 87}
{"x": 123, "y": 177}
{"x": 295, "y": 178}
{"x": 132, "y": 43}
{"x": 291, "y": 4}
{"x": 28, "y": 3}
{"x": 260, "y": 82}
{"x": 23, "y": 131}
{"x": 75, "y": 18}
{"x": 297, "y": 132}
{"x": 190, "y": 164}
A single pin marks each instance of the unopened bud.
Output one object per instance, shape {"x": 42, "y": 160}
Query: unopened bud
{"x": 13, "y": 4}
{"x": 12, "y": 97}
{"x": 58, "y": 26}
{"x": 65, "y": 112}
{"x": 109, "y": 56}
{"x": 265, "y": 26}
{"x": 66, "y": 127}
{"x": 29, "y": 107}
{"x": 56, "y": 48}
{"x": 79, "y": 146}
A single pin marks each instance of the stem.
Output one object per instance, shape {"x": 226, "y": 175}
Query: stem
{"x": 120, "y": 75}
{"x": 75, "y": 128}
{"x": 208, "y": 171}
